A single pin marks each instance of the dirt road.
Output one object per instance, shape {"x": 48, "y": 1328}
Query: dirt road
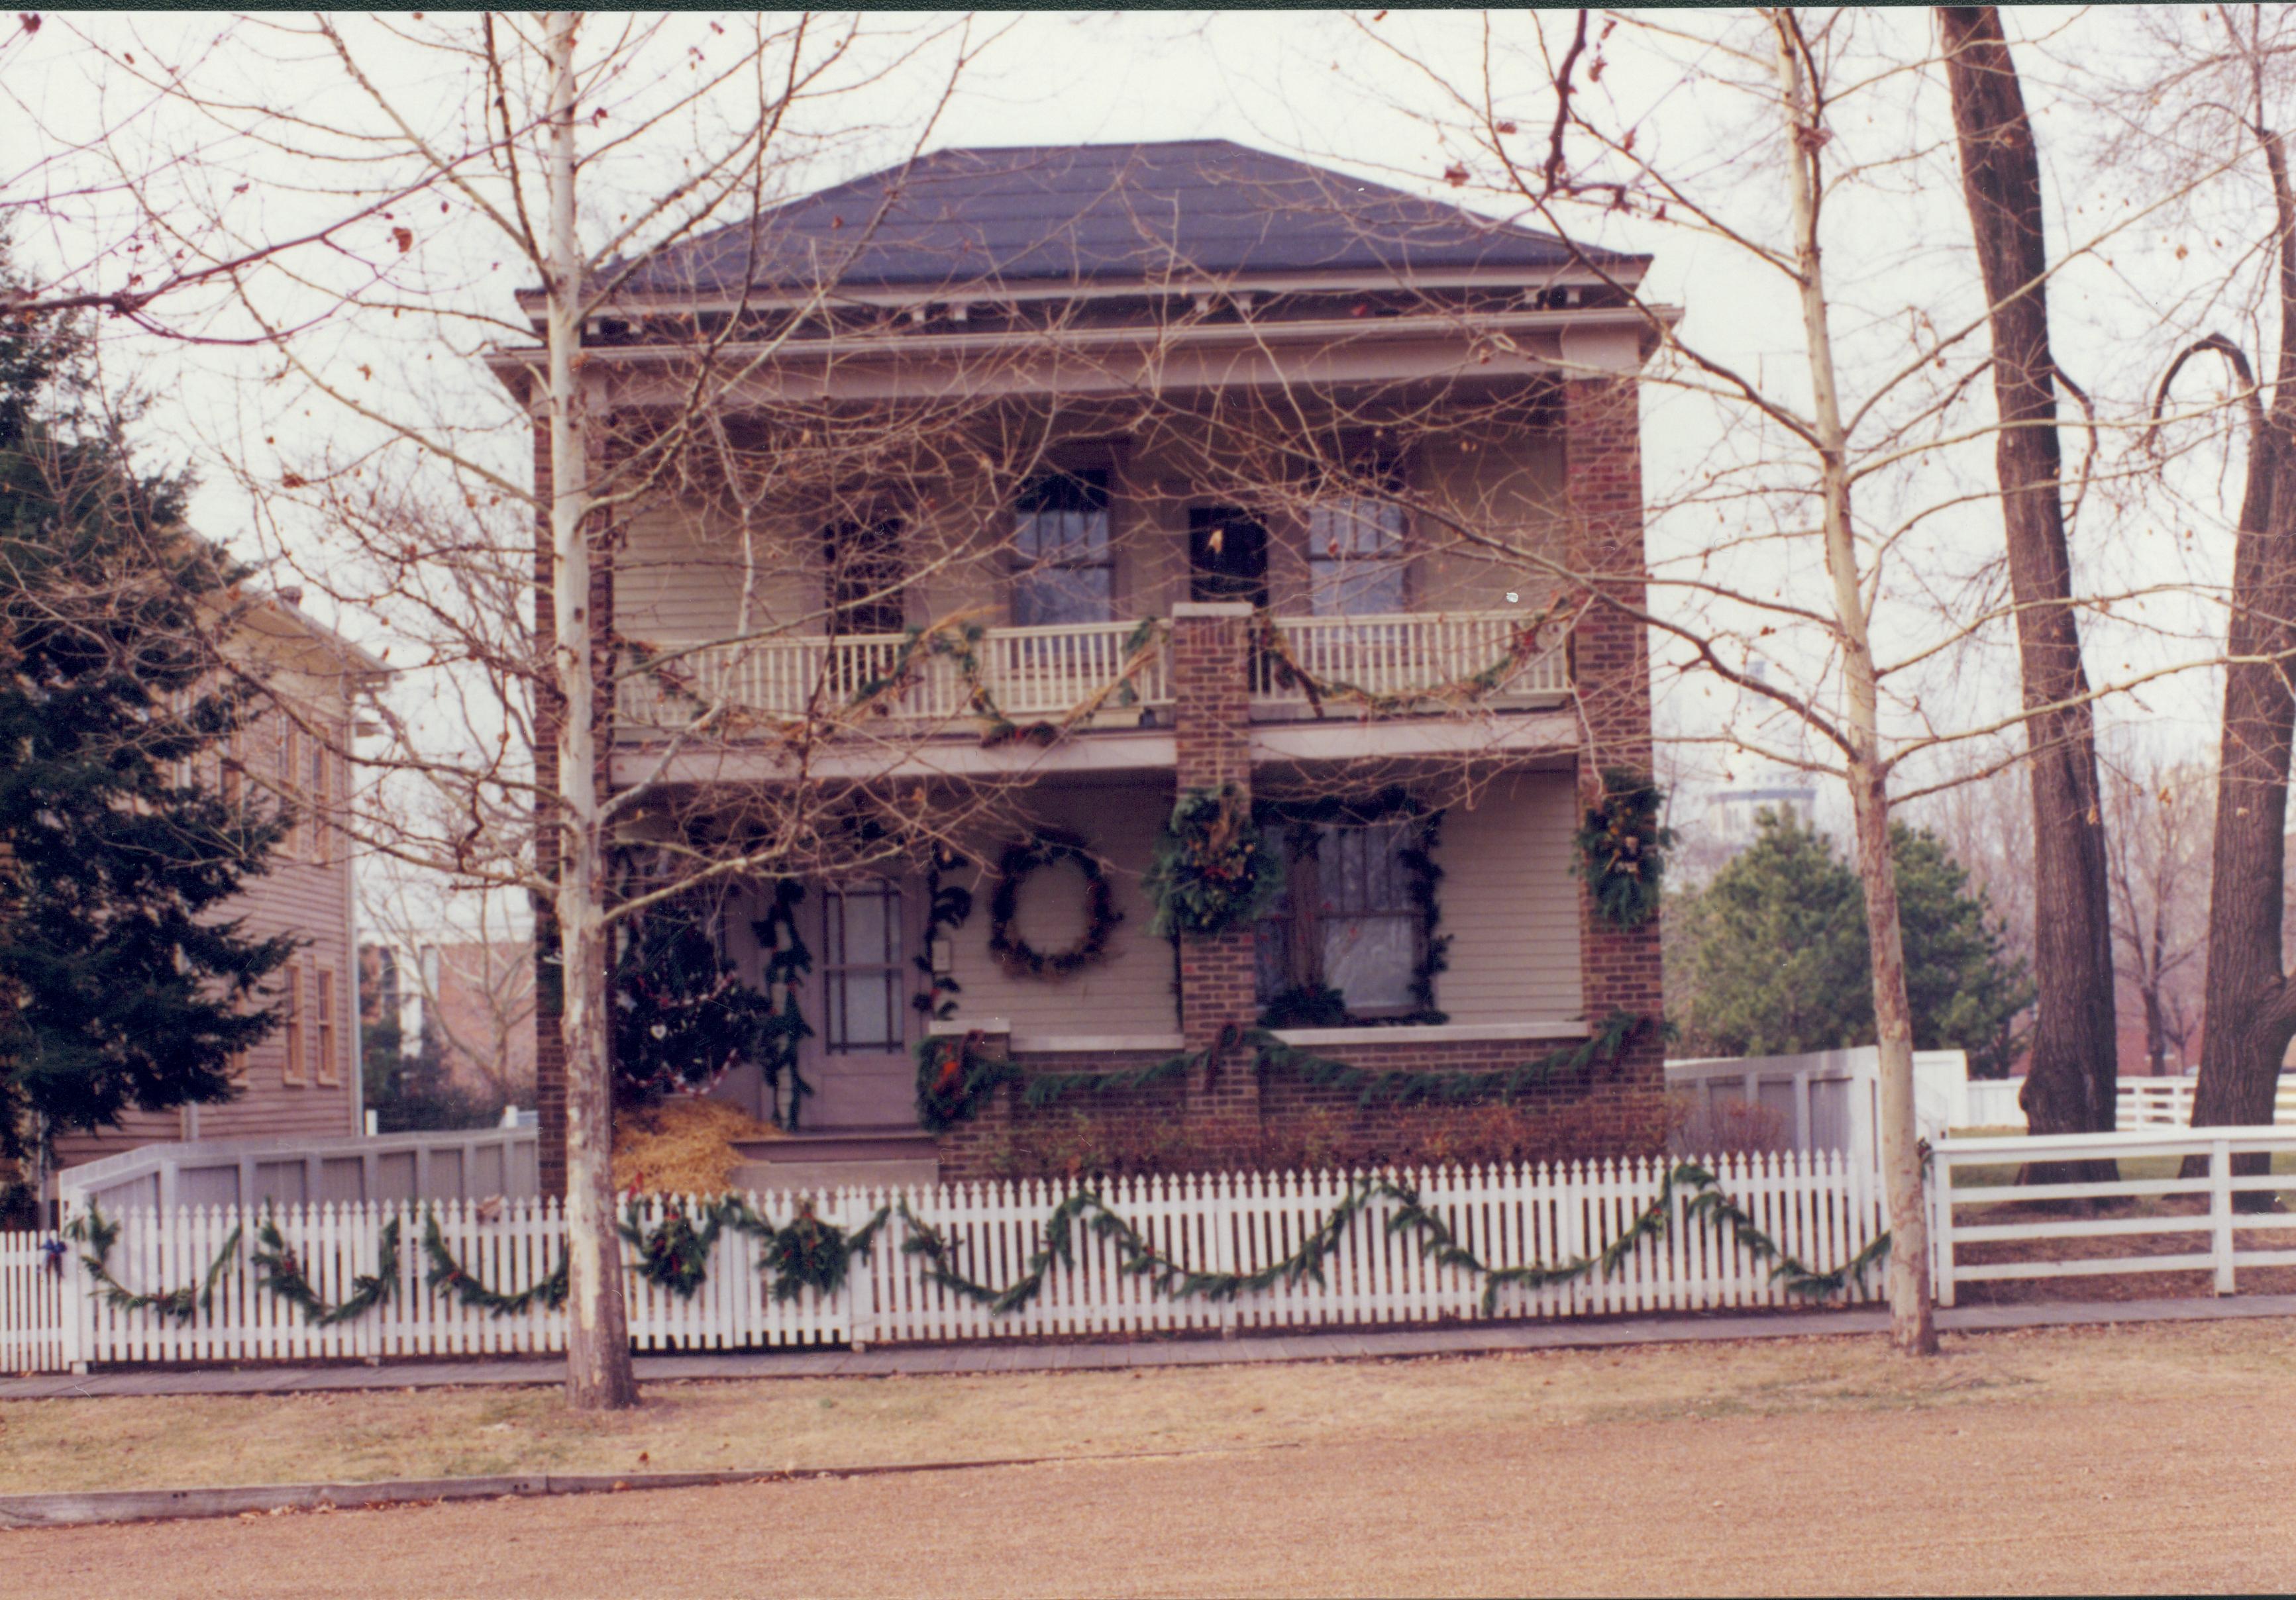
{"x": 2142, "y": 1495}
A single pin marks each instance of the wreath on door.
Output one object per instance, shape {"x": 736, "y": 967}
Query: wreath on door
{"x": 1024, "y": 857}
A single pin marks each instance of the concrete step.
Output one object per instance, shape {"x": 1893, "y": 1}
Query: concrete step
{"x": 766, "y": 1178}
{"x": 811, "y": 1147}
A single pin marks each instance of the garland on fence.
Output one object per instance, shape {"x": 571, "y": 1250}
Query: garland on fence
{"x": 1167, "y": 1278}
{"x": 805, "y": 1253}
{"x": 1622, "y": 848}
{"x": 1022, "y": 857}
{"x": 1212, "y": 869}
{"x": 277, "y": 1268}
{"x": 1288, "y": 671}
{"x": 445, "y": 1272}
{"x": 100, "y": 1235}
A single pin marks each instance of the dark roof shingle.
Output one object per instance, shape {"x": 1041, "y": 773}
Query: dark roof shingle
{"x": 1092, "y": 212}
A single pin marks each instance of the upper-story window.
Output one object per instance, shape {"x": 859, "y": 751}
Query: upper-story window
{"x": 865, "y": 576}
{"x": 1355, "y": 556}
{"x": 1063, "y": 570}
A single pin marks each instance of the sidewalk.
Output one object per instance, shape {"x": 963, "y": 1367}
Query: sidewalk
{"x": 927, "y": 1359}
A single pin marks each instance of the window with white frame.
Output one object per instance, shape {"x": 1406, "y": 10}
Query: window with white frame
{"x": 1063, "y": 570}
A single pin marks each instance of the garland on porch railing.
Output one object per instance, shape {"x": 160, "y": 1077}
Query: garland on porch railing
{"x": 100, "y": 1234}
{"x": 277, "y": 1269}
{"x": 1167, "y": 1278}
{"x": 958, "y": 639}
{"x": 1288, "y": 671}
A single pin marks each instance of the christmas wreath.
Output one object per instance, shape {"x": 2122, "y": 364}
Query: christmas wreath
{"x": 1622, "y": 848}
{"x": 1212, "y": 869}
{"x": 1022, "y": 857}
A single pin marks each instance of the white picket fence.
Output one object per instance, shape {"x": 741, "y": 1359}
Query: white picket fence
{"x": 1820, "y": 1207}
{"x": 1986, "y": 1207}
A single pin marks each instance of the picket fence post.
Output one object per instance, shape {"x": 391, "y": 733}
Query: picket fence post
{"x": 2220, "y": 1209}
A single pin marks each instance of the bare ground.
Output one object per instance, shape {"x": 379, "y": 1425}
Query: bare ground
{"x": 179, "y": 1441}
{"x": 2161, "y": 1495}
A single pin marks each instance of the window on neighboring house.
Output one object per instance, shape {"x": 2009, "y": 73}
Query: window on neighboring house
{"x": 283, "y": 753}
{"x": 1063, "y": 569}
{"x": 291, "y": 1028}
{"x": 324, "y": 1065}
{"x": 865, "y": 574}
{"x": 1346, "y": 921}
{"x": 320, "y": 801}
{"x": 862, "y": 969}
{"x": 1355, "y": 556}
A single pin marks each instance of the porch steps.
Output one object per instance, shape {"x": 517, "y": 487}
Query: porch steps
{"x": 827, "y": 1158}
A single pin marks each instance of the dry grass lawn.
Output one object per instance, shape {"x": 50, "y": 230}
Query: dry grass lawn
{"x": 111, "y": 1443}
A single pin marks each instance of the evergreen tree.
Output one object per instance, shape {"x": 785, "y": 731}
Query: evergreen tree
{"x": 1770, "y": 957}
{"x": 120, "y": 987}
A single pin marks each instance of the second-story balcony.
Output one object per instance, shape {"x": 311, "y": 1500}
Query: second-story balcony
{"x": 1083, "y": 675}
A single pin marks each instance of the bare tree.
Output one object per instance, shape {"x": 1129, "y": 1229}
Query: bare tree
{"x": 2156, "y": 823}
{"x": 2070, "y": 1080}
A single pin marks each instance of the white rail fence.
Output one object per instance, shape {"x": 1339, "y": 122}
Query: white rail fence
{"x": 2140, "y": 1103}
{"x": 1820, "y": 1208}
{"x": 2170, "y": 1223}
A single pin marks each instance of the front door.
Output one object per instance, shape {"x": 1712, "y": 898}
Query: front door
{"x": 858, "y": 1058}
{"x": 1228, "y": 555}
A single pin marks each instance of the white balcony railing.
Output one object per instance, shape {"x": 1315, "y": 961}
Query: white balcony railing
{"x": 1429, "y": 657}
{"x": 1047, "y": 674}
{"x": 1027, "y": 673}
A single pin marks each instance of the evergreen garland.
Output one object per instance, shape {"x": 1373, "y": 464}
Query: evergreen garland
{"x": 1212, "y": 869}
{"x": 783, "y": 1029}
{"x": 277, "y": 1268}
{"x": 98, "y": 1235}
{"x": 1172, "y": 1280}
{"x": 1622, "y": 848}
{"x": 673, "y": 1252}
{"x": 947, "y": 906}
{"x": 1288, "y": 671}
{"x": 958, "y": 640}
{"x": 954, "y": 1077}
{"x": 445, "y": 1272}
{"x": 1022, "y": 857}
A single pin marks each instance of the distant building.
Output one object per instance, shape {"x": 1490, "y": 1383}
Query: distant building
{"x": 1731, "y": 815}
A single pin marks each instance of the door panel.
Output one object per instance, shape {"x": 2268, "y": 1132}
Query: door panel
{"x": 858, "y": 1059}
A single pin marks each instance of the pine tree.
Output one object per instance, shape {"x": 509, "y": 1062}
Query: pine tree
{"x": 1770, "y": 957}
{"x": 121, "y": 987}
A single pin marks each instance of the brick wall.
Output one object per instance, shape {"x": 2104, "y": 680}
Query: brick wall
{"x": 1602, "y": 480}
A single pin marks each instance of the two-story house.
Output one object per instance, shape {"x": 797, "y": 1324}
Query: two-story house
{"x": 1052, "y": 486}
{"x": 303, "y": 1081}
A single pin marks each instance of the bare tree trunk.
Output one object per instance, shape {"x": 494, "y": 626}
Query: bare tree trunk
{"x": 1912, "y": 1324}
{"x": 2070, "y": 1081}
{"x": 598, "y": 1370}
{"x": 2249, "y": 1007}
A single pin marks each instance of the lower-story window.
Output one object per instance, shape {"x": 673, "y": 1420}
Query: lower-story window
{"x": 862, "y": 969}
{"x": 1346, "y": 921}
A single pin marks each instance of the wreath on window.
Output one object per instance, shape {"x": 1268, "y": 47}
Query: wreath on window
{"x": 1213, "y": 868}
{"x": 1023, "y": 857}
{"x": 1622, "y": 848}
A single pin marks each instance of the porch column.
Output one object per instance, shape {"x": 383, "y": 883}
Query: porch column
{"x": 1619, "y": 967}
{"x": 1210, "y": 664}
